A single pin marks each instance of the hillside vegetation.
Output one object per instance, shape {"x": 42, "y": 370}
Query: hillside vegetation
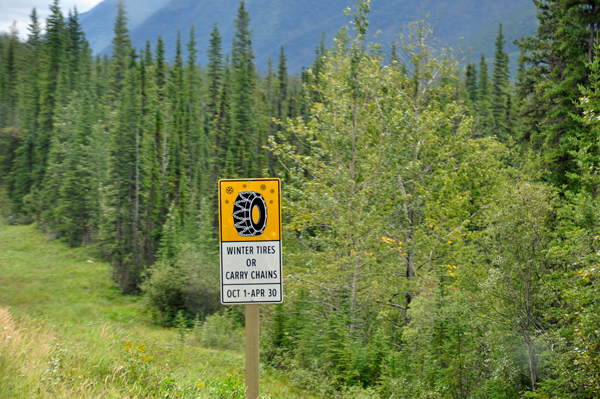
{"x": 441, "y": 223}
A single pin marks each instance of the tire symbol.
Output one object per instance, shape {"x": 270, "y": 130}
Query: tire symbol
{"x": 243, "y": 209}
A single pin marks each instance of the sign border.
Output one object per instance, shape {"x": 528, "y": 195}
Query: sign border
{"x": 280, "y": 284}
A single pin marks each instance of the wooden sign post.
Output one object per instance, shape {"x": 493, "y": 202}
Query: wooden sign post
{"x": 250, "y": 249}
{"x": 252, "y": 355}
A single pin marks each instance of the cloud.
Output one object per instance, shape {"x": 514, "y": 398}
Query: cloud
{"x": 19, "y": 11}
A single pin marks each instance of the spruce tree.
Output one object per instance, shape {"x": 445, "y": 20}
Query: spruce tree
{"x": 101, "y": 80}
{"x": 123, "y": 230}
{"x": 52, "y": 57}
{"x": 161, "y": 117}
{"x": 122, "y": 226}
{"x": 244, "y": 146}
{"x": 74, "y": 48}
{"x": 313, "y": 80}
{"x": 500, "y": 94}
{"x": 214, "y": 71}
{"x": 486, "y": 121}
{"x": 471, "y": 82}
{"x": 12, "y": 138}
{"x": 161, "y": 67}
{"x": 282, "y": 77}
{"x": 222, "y": 133}
{"x": 549, "y": 86}
{"x": 121, "y": 51}
{"x": 320, "y": 52}
{"x": 154, "y": 210}
{"x": 9, "y": 79}
{"x": 177, "y": 146}
{"x": 156, "y": 150}
{"x": 77, "y": 207}
{"x": 197, "y": 140}
{"x": 148, "y": 60}
{"x": 24, "y": 164}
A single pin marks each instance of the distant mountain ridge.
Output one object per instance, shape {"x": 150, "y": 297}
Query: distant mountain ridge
{"x": 516, "y": 23}
{"x": 99, "y": 21}
{"x": 299, "y": 24}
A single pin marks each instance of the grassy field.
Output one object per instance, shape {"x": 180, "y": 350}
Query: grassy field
{"x": 66, "y": 332}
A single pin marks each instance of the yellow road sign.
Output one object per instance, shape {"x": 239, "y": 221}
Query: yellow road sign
{"x": 250, "y": 210}
{"x": 250, "y": 241}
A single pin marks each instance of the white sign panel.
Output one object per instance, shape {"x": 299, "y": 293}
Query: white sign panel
{"x": 251, "y": 272}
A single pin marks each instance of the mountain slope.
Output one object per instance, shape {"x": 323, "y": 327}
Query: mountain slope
{"x": 299, "y": 24}
{"x": 98, "y": 22}
{"x": 520, "y": 22}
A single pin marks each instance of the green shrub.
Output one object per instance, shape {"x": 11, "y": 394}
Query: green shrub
{"x": 189, "y": 283}
{"x": 220, "y": 332}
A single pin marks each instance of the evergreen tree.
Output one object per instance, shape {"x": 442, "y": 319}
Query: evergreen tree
{"x": 121, "y": 51}
{"x": 282, "y": 76}
{"x": 148, "y": 54}
{"x": 52, "y": 56}
{"x": 320, "y": 52}
{"x": 101, "y": 79}
{"x": 8, "y": 80}
{"x": 223, "y": 135}
{"x": 244, "y": 146}
{"x": 196, "y": 134}
{"x": 161, "y": 133}
{"x": 269, "y": 87}
{"x": 483, "y": 97}
{"x": 471, "y": 82}
{"x": 75, "y": 216}
{"x": 151, "y": 144}
{"x": 161, "y": 68}
{"x": 24, "y": 164}
{"x": 177, "y": 148}
{"x": 155, "y": 149}
{"x": 312, "y": 79}
{"x": 74, "y": 48}
{"x": 214, "y": 71}
{"x": 124, "y": 199}
{"x": 12, "y": 137}
{"x": 549, "y": 87}
{"x": 501, "y": 90}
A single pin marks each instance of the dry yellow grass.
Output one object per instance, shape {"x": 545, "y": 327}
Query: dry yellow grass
{"x": 30, "y": 356}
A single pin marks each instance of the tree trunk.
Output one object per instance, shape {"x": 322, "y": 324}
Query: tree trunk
{"x": 592, "y": 26}
{"x": 533, "y": 361}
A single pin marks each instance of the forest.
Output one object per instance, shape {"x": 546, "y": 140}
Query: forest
{"x": 441, "y": 217}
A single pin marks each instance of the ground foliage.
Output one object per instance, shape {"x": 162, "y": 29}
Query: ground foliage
{"x": 441, "y": 226}
{"x": 66, "y": 332}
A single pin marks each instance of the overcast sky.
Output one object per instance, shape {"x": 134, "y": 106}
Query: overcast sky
{"x": 19, "y": 11}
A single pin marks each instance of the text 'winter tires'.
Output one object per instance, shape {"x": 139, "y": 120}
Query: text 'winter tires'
{"x": 246, "y": 203}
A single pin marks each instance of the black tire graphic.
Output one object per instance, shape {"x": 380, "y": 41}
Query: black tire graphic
{"x": 242, "y": 214}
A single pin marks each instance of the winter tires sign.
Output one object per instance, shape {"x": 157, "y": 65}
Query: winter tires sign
{"x": 250, "y": 241}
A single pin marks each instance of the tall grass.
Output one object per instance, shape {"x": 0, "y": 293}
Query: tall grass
{"x": 65, "y": 332}
{"x": 36, "y": 362}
